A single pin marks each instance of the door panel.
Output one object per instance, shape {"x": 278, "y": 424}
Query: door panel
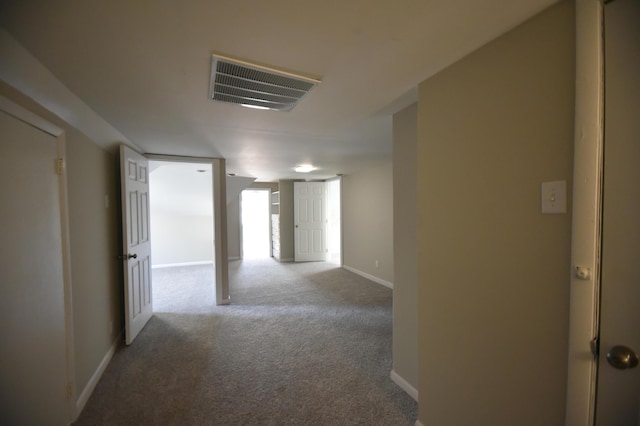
{"x": 33, "y": 356}
{"x": 618, "y": 391}
{"x": 310, "y": 221}
{"x": 137, "y": 246}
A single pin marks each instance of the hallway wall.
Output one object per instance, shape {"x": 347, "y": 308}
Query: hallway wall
{"x": 493, "y": 270}
{"x": 367, "y": 221}
{"x": 95, "y": 271}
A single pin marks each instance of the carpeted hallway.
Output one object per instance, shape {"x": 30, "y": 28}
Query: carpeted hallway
{"x": 301, "y": 344}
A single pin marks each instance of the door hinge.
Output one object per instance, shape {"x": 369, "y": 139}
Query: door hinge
{"x": 60, "y": 166}
{"x": 69, "y": 390}
{"x": 595, "y": 346}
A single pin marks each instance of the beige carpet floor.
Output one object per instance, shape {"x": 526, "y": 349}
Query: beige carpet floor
{"x": 301, "y": 344}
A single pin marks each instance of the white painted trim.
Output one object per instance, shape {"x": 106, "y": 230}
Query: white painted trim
{"x": 287, "y": 260}
{"x": 173, "y": 265}
{"x": 404, "y": 385}
{"x": 231, "y": 259}
{"x": 95, "y": 377}
{"x": 586, "y": 220}
{"x": 368, "y": 276}
{"x": 180, "y": 158}
{"x": 29, "y": 118}
{"x": 418, "y": 423}
{"x": 66, "y": 270}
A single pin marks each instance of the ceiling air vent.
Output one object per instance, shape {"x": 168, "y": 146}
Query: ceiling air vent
{"x": 255, "y": 86}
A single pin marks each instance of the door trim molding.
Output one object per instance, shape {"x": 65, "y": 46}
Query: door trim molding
{"x": 587, "y": 209}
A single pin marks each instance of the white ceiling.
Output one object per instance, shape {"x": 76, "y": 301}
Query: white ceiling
{"x": 144, "y": 67}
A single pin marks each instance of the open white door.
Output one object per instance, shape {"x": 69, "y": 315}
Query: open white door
{"x": 134, "y": 181}
{"x": 309, "y": 217}
{"x": 618, "y": 386}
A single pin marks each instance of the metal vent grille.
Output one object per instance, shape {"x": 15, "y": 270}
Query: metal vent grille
{"x": 256, "y": 86}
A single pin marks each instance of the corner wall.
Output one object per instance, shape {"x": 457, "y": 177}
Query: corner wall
{"x": 367, "y": 222}
{"x": 494, "y": 271}
{"x": 287, "y": 246}
{"x": 405, "y": 249}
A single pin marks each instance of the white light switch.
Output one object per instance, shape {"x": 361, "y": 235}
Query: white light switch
{"x": 554, "y": 197}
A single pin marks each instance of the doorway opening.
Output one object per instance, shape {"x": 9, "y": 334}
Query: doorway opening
{"x": 255, "y": 205}
{"x": 182, "y": 233}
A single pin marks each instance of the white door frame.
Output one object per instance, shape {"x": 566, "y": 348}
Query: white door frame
{"x": 38, "y": 122}
{"x": 221, "y": 257}
{"x": 587, "y": 212}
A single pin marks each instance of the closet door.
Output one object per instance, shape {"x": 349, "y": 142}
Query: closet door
{"x": 309, "y": 217}
{"x": 33, "y": 358}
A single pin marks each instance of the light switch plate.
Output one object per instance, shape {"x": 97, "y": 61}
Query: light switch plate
{"x": 554, "y": 197}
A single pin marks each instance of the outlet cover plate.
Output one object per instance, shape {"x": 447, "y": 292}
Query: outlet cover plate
{"x": 554, "y": 197}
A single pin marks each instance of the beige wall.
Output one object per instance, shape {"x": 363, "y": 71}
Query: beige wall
{"x": 233, "y": 228}
{"x": 287, "y": 248}
{"x": 95, "y": 272}
{"x": 405, "y": 245}
{"x": 493, "y": 271}
{"x": 97, "y": 286}
{"x": 273, "y": 186}
{"x": 367, "y": 221}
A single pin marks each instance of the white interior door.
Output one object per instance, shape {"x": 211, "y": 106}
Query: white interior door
{"x": 310, "y": 222}
{"x": 134, "y": 175}
{"x": 618, "y": 389}
{"x": 33, "y": 357}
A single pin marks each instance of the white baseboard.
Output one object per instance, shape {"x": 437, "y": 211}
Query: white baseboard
{"x": 418, "y": 423}
{"x": 289, "y": 259}
{"x": 404, "y": 385}
{"x": 95, "y": 378}
{"x": 368, "y": 276}
{"x": 172, "y": 265}
{"x": 231, "y": 259}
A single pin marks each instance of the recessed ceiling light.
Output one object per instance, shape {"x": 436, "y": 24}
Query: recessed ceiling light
{"x": 304, "y": 168}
